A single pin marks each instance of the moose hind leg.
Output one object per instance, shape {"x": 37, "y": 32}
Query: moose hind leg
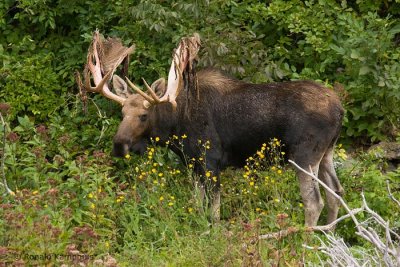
{"x": 311, "y": 195}
{"x": 327, "y": 174}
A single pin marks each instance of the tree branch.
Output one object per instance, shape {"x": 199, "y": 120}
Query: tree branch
{"x": 391, "y": 195}
{"x": 3, "y": 158}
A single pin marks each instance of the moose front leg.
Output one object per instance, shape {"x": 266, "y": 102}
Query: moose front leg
{"x": 210, "y": 191}
{"x": 216, "y": 200}
{"x": 210, "y": 185}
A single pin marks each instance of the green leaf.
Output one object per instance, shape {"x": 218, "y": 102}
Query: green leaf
{"x": 395, "y": 29}
{"x": 355, "y": 54}
{"x": 364, "y": 70}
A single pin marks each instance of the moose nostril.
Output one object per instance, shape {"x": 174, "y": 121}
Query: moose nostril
{"x": 120, "y": 149}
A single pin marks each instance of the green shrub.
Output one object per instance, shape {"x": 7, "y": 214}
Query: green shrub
{"x": 31, "y": 86}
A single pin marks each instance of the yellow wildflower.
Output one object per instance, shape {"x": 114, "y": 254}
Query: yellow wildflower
{"x": 157, "y": 139}
{"x": 127, "y": 156}
{"x": 161, "y": 198}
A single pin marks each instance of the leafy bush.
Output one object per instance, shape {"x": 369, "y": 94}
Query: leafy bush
{"x": 32, "y": 87}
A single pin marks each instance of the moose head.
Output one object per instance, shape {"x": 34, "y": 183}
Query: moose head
{"x": 104, "y": 56}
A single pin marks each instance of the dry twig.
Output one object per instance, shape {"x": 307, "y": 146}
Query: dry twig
{"x": 3, "y": 158}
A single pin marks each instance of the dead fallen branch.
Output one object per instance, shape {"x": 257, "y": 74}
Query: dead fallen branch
{"x": 387, "y": 250}
{"x": 324, "y": 228}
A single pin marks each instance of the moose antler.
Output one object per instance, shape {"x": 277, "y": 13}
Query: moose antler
{"x": 183, "y": 56}
{"x": 104, "y": 56}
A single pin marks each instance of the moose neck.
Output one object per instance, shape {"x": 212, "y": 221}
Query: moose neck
{"x": 163, "y": 121}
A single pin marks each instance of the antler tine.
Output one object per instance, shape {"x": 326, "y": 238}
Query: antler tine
{"x": 153, "y": 94}
{"x": 140, "y": 92}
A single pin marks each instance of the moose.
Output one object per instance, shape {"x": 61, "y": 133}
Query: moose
{"x": 236, "y": 117}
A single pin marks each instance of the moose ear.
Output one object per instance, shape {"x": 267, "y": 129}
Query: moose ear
{"x": 159, "y": 87}
{"x": 120, "y": 87}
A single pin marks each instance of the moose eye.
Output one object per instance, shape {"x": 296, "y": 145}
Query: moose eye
{"x": 143, "y": 117}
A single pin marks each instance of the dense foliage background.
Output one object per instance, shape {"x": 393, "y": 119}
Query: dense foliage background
{"x": 72, "y": 197}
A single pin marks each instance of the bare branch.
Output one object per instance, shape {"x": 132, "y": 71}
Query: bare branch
{"x": 389, "y": 253}
{"x": 332, "y": 225}
{"x": 3, "y": 158}
{"x": 323, "y": 228}
{"x": 391, "y": 195}
{"x": 280, "y": 234}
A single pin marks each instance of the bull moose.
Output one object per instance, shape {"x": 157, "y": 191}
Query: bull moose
{"x": 236, "y": 117}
